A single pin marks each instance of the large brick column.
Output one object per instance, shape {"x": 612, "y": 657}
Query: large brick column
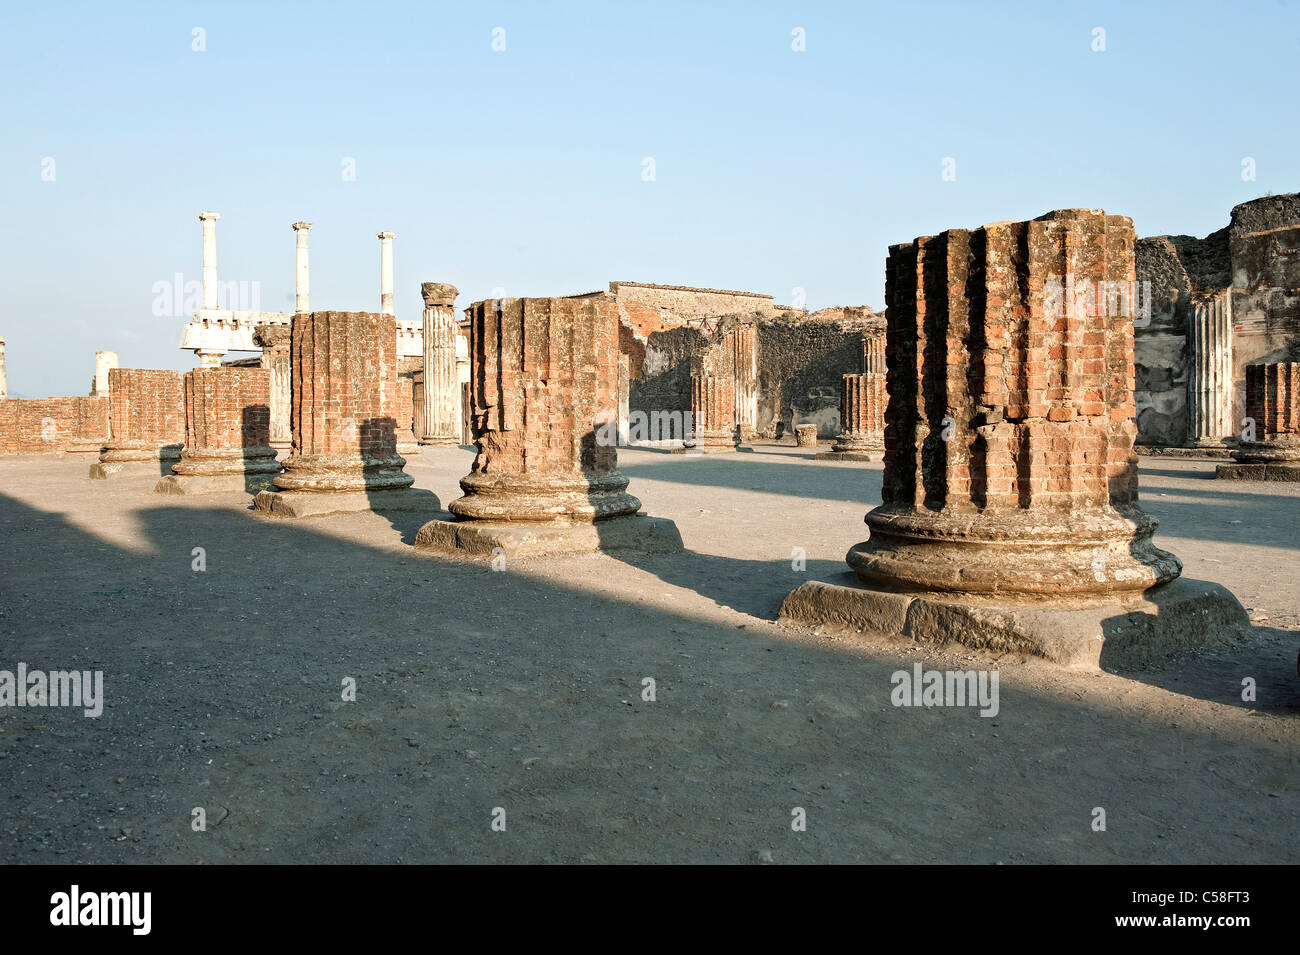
{"x": 146, "y": 422}
{"x": 1273, "y": 410}
{"x": 345, "y": 390}
{"x": 227, "y": 433}
{"x": 1009, "y": 468}
{"x": 441, "y": 395}
{"x": 713, "y": 409}
{"x": 544, "y": 395}
{"x": 862, "y": 419}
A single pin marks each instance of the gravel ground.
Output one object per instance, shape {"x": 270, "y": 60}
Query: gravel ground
{"x": 521, "y": 690}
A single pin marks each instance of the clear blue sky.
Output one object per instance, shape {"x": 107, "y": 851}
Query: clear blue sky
{"x": 522, "y": 169}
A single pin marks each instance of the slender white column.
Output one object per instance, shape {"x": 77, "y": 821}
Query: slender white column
{"x": 441, "y": 385}
{"x": 209, "y": 220}
{"x": 302, "y": 276}
{"x": 104, "y": 360}
{"x": 386, "y": 273}
{"x": 4, "y": 383}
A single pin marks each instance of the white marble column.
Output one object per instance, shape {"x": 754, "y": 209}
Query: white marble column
{"x": 209, "y": 220}
{"x": 441, "y": 391}
{"x": 301, "y": 273}
{"x": 1209, "y": 370}
{"x": 104, "y": 360}
{"x": 386, "y": 273}
{"x": 4, "y": 382}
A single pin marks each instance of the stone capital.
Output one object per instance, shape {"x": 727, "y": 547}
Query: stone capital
{"x": 438, "y": 293}
{"x": 213, "y": 216}
{"x": 385, "y": 235}
{"x": 301, "y": 226}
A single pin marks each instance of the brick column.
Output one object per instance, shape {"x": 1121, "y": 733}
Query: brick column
{"x": 862, "y": 418}
{"x": 741, "y": 344}
{"x": 441, "y": 386}
{"x": 544, "y": 393}
{"x": 1273, "y": 413}
{"x": 227, "y": 433}
{"x": 146, "y": 422}
{"x": 275, "y": 340}
{"x": 713, "y": 409}
{"x": 1209, "y": 371}
{"x": 1009, "y": 464}
{"x": 345, "y": 390}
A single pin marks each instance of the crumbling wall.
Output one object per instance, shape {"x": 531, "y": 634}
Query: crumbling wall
{"x": 50, "y": 425}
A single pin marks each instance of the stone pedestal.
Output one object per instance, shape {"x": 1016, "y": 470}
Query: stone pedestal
{"x": 1010, "y": 485}
{"x": 344, "y": 455}
{"x": 146, "y": 423}
{"x": 1209, "y": 371}
{"x": 862, "y": 418}
{"x": 441, "y": 391}
{"x": 545, "y": 478}
{"x": 713, "y": 412}
{"x": 1273, "y": 407}
{"x": 227, "y": 434}
{"x": 274, "y": 340}
{"x": 805, "y": 435}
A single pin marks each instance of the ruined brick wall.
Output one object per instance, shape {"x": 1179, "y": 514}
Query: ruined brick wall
{"x": 50, "y": 425}
{"x": 146, "y": 406}
{"x": 345, "y": 389}
{"x": 1273, "y": 398}
{"x": 655, "y": 308}
{"x": 1257, "y": 257}
{"x": 227, "y": 409}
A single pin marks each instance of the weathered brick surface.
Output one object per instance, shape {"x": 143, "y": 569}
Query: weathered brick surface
{"x": 345, "y": 398}
{"x": 862, "y": 413}
{"x": 544, "y": 392}
{"x": 227, "y": 409}
{"x": 713, "y": 406}
{"x": 1010, "y": 413}
{"x": 51, "y": 425}
{"x": 1273, "y": 398}
{"x": 146, "y": 408}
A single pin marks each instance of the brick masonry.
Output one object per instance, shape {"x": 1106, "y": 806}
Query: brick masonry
{"x": 52, "y": 425}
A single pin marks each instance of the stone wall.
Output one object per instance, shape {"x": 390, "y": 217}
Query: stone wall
{"x": 147, "y": 406}
{"x": 50, "y": 425}
{"x": 654, "y": 308}
{"x": 1257, "y": 258}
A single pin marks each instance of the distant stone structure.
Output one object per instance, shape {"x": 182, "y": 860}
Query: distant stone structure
{"x": 104, "y": 362}
{"x": 1272, "y": 452}
{"x": 545, "y": 477}
{"x": 1010, "y": 515}
{"x": 1214, "y": 306}
{"x": 440, "y": 389}
{"x": 345, "y": 390}
{"x": 275, "y": 340}
{"x": 227, "y": 433}
{"x": 862, "y": 407}
{"x": 146, "y": 422}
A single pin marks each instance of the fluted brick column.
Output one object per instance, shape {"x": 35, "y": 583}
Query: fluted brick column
{"x": 227, "y": 433}
{"x": 1009, "y": 464}
{"x": 345, "y": 390}
{"x": 544, "y": 394}
{"x": 873, "y": 354}
{"x": 441, "y": 395}
{"x": 1273, "y": 413}
{"x": 1209, "y": 370}
{"x": 146, "y": 422}
{"x": 862, "y": 415}
{"x": 713, "y": 410}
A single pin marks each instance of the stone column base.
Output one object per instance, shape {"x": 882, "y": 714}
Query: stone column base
{"x": 138, "y": 461}
{"x": 297, "y": 504}
{"x": 1259, "y": 472}
{"x": 449, "y": 440}
{"x": 1134, "y": 630}
{"x": 833, "y": 455}
{"x": 650, "y": 535}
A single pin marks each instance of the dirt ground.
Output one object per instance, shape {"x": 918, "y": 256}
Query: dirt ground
{"x": 521, "y": 689}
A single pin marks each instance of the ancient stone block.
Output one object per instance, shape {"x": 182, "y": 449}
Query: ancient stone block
{"x": 1273, "y": 411}
{"x": 544, "y": 392}
{"x": 805, "y": 435}
{"x": 345, "y": 387}
{"x": 227, "y": 433}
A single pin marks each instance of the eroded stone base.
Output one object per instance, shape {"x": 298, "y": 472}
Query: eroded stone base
{"x": 1259, "y": 472}
{"x": 637, "y": 532}
{"x": 862, "y": 456}
{"x": 104, "y": 470}
{"x": 705, "y": 449}
{"x": 295, "y": 504}
{"x": 215, "y": 483}
{"x": 1180, "y": 615}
